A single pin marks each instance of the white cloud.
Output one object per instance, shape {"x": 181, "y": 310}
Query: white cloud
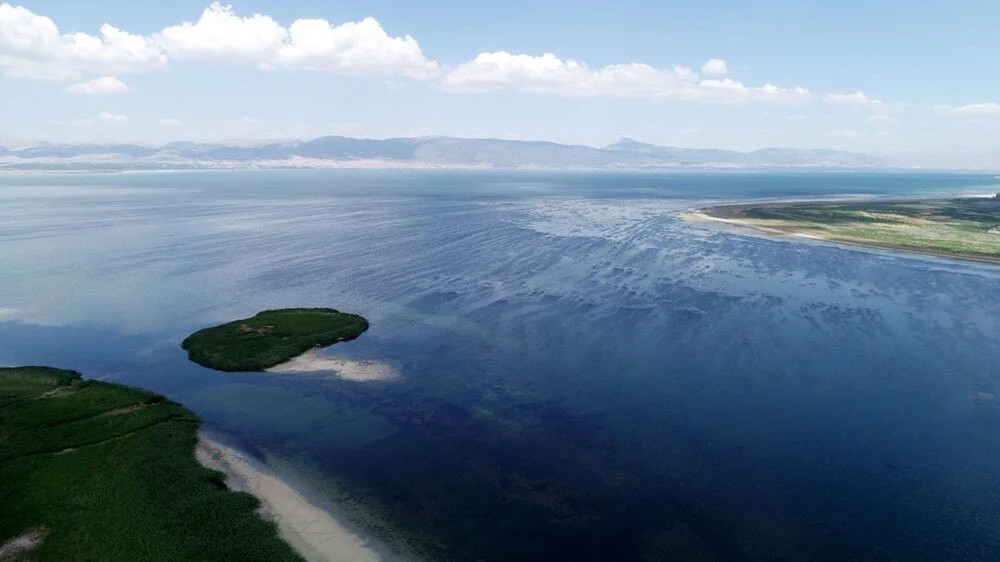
{"x": 359, "y": 48}
{"x": 714, "y": 67}
{"x": 977, "y": 109}
{"x": 31, "y": 46}
{"x": 221, "y": 36}
{"x": 102, "y": 85}
{"x": 170, "y": 123}
{"x": 796, "y": 117}
{"x": 857, "y": 99}
{"x": 552, "y": 75}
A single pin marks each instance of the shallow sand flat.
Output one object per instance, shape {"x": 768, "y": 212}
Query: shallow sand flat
{"x": 311, "y": 531}
{"x": 348, "y": 369}
{"x": 703, "y": 215}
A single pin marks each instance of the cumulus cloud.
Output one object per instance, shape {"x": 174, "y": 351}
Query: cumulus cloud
{"x": 549, "y": 74}
{"x": 166, "y": 122}
{"x": 857, "y": 99}
{"x": 714, "y": 67}
{"x": 102, "y": 85}
{"x": 221, "y": 36}
{"x": 977, "y": 109}
{"x": 31, "y": 46}
{"x": 359, "y": 48}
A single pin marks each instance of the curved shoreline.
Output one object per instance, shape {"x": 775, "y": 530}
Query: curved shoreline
{"x": 732, "y": 214}
{"x": 315, "y": 533}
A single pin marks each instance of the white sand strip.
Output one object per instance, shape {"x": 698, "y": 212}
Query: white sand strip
{"x": 349, "y": 369}
{"x": 311, "y": 531}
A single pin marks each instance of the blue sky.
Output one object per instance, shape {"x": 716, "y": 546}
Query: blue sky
{"x": 887, "y": 77}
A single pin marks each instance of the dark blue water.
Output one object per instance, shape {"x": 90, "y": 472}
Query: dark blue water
{"x": 584, "y": 375}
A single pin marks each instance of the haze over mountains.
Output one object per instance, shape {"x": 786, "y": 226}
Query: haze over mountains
{"x": 444, "y": 152}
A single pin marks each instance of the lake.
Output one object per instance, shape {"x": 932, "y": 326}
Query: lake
{"x": 582, "y": 373}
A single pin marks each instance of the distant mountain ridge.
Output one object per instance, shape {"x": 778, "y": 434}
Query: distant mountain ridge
{"x": 425, "y": 152}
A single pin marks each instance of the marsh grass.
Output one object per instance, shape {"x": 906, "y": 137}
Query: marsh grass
{"x": 271, "y": 337}
{"x": 109, "y": 472}
{"x": 961, "y": 227}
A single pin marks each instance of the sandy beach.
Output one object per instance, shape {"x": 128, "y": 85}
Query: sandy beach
{"x": 702, "y": 216}
{"x": 311, "y": 531}
{"x": 348, "y": 369}
{"x": 733, "y": 215}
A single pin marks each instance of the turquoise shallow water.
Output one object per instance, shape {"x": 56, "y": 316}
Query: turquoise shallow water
{"x": 584, "y": 375}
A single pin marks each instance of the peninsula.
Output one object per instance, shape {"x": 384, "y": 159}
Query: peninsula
{"x": 966, "y": 228}
{"x": 92, "y": 470}
{"x": 271, "y": 337}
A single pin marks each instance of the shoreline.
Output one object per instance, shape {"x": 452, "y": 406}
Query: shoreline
{"x": 731, "y": 214}
{"x": 315, "y": 533}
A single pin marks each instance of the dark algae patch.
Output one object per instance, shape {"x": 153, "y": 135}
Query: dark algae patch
{"x": 98, "y": 471}
{"x": 271, "y": 338}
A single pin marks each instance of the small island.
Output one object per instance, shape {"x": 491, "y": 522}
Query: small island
{"x": 92, "y": 470}
{"x": 271, "y": 337}
{"x": 965, "y": 228}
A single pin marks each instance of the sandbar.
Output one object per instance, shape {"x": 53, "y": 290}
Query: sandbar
{"x": 963, "y": 228}
{"x": 361, "y": 370}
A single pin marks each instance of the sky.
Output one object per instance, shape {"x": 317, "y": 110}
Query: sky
{"x": 880, "y": 76}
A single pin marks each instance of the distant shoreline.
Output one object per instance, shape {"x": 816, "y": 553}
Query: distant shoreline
{"x": 735, "y": 214}
{"x": 126, "y": 167}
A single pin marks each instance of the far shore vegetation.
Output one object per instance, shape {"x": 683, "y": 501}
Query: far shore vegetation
{"x": 98, "y": 471}
{"x": 965, "y": 228}
{"x": 271, "y": 338}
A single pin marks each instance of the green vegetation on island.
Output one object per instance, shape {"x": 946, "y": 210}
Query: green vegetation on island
{"x": 965, "y": 228}
{"x": 98, "y": 471}
{"x": 271, "y": 338}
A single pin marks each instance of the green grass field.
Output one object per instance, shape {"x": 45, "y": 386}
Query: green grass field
{"x": 102, "y": 471}
{"x": 271, "y": 337}
{"x": 967, "y": 228}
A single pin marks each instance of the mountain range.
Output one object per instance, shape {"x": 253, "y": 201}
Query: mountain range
{"x": 443, "y": 152}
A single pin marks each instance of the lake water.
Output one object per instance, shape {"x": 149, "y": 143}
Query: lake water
{"x": 584, "y": 375}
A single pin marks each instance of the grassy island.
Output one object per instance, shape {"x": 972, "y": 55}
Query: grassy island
{"x": 271, "y": 337}
{"x": 98, "y": 471}
{"x": 965, "y": 228}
